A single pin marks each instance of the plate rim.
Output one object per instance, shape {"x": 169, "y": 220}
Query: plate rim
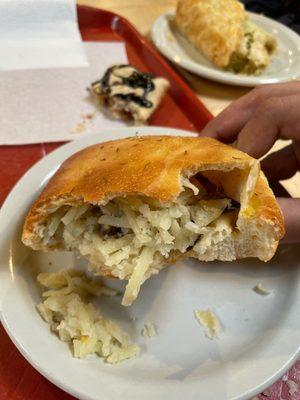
{"x": 60, "y": 153}
{"x": 212, "y": 73}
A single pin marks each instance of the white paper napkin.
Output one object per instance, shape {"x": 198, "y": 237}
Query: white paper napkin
{"x": 49, "y": 105}
{"x": 39, "y": 34}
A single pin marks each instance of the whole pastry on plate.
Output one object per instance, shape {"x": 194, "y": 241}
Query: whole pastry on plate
{"x": 221, "y": 30}
{"x": 129, "y": 93}
{"x": 132, "y": 206}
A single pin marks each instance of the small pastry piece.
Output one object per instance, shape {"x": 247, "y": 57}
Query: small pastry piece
{"x": 130, "y": 93}
{"x": 149, "y": 330}
{"x": 227, "y": 38}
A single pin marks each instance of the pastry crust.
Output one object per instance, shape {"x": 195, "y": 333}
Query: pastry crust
{"x": 221, "y": 30}
{"x": 215, "y": 27}
{"x": 153, "y": 166}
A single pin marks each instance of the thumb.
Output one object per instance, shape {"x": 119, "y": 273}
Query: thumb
{"x": 291, "y": 212}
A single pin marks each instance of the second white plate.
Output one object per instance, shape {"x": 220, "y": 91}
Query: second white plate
{"x": 284, "y": 65}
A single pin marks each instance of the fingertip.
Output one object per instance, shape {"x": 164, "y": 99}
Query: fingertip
{"x": 208, "y": 133}
{"x": 209, "y": 130}
{"x": 243, "y": 144}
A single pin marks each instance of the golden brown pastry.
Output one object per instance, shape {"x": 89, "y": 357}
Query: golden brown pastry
{"x": 224, "y": 34}
{"x": 132, "y": 206}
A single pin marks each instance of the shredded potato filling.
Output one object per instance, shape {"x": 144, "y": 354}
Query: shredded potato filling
{"x": 133, "y": 237}
{"x": 78, "y": 322}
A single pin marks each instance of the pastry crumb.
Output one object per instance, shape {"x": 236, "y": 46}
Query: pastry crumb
{"x": 90, "y": 116}
{"x": 293, "y": 387}
{"x": 80, "y": 127}
{"x": 260, "y": 289}
{"x": 86, "y": 120}
{"x": 210, "y": 322}
{"x": 149, "y": 330}
{"x": 128, "y": 93}
{"x": 266, "y": 393}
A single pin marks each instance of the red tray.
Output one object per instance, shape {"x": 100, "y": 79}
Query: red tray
{"x": 180, "y": 108}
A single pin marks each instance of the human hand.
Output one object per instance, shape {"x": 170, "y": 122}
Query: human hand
{"x": 255, "y": 122}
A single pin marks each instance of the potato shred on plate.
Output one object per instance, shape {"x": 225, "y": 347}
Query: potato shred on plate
{"x": 66, "y": 309}
{"x": 133, "y": 206}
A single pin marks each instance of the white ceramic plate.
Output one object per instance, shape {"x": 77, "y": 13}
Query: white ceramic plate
{"x": 260, "y": 337}
{"x": 284, "y": 65}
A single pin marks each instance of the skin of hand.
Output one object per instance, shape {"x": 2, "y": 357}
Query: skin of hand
{"x": 254, "y": 122}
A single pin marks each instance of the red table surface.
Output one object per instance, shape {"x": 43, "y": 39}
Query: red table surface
{"x": 18, "y": 380}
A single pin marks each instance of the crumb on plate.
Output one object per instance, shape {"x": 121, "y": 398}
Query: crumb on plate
{"x": 129, "y": 93}
{"x": 260, "y": 289}
{"x": 149, "y": 330}
{"x": 210, "y": 322}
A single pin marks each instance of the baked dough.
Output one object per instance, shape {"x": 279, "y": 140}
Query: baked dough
{"x": 224, "y": 34}
{"x": 129, "y": 93}
{"x": 132, "y": 206}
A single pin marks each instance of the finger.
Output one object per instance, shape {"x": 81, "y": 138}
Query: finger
{"x": 274, "y": 118}
{"x": 229, "y": 122}
{"x": 291, "y": 212}
{"x": 282, "y": 164}
{"x": 226, "y": 126}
